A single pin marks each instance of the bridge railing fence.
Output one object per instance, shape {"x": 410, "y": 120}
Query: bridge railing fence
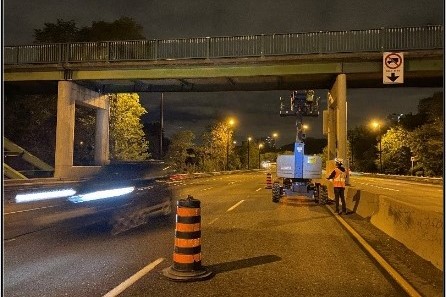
{"x": 190, "y": 48}
{"x": 428, "y": 37}
{"x": 374, "y": 40}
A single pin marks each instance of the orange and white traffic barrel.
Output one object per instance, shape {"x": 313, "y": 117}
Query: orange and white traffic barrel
{"x": 268, "y": 181}
{"x": 187, "y": 251}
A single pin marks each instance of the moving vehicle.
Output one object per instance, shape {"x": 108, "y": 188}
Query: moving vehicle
{"x": 126, "y": 194}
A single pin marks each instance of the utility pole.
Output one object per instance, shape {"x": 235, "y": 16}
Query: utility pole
{"x": 249, "y": 140}
{"x": 161, "y": 124}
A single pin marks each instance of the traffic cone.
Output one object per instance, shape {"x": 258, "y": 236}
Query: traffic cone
{"x": 187, "y": 252}
{"x": 268, "y": 181}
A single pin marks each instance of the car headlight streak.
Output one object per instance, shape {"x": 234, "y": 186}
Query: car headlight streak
{"x": 20, "y": 198}
{"x": 101, "y": 194}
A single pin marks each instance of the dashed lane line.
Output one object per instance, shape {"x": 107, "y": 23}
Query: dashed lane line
{"x": 31, "y": 209}
{"x": 131, "y": 280}
{"x": 213, "y": 221}
{"x": 234, "y": 206}
{"x": 379, "y": 187}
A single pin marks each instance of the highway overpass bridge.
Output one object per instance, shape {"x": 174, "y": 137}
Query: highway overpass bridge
{"x": 86, "y": 72}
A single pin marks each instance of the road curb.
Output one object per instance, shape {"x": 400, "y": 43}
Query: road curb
{"x": 398, "y": 278}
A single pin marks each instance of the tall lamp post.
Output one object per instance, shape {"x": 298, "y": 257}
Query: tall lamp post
{"x": 305, "y": 128}
{"x": 260, "y": 147}
{"x": 275, "y": 135}
{"x": 231, "y": 123}
{"x": 249, "y": 140}
{"x": 377, "y": 125}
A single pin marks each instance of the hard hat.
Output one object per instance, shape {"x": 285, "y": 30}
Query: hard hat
{"x": 338, "y": 160}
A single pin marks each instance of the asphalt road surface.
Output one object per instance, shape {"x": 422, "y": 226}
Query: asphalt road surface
{"x": 253, "y": 247}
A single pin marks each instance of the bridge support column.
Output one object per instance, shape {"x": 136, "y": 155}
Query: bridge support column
{"x": 70, "y": 94}
{"x": 101, "y": 147}
{"x": 339, "y": 90}
{"x": 64, "y": 129}
{"x": 336, "y": 118}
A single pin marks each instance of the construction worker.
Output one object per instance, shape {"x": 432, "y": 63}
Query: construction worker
{"x": 338, "y": 175}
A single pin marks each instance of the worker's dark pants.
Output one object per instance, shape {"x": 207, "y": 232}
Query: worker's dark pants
{"x": 339, "y": 193}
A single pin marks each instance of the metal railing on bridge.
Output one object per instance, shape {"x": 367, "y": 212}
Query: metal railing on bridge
{"x": 374, "y": 40}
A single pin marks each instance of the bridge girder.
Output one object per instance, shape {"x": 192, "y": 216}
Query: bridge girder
{"x": 364, "y": 70}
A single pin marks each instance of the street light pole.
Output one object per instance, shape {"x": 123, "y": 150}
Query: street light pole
{"x": 260, "y": 147}
{"x": 231, "y": 122}
{"x": 161, "y": 125}
{"x": 378, "y": 125}
{"x": 227, "y": 151}
{"x": 249, "y": 140}
{"x": 275, "y": 135}
{"x": 380, "y": 151}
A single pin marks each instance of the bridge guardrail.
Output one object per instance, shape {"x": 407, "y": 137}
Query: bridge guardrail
{"x": 373, "y": 40}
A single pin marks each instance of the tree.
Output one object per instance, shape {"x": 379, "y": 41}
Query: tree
{"x": 61, "y": 31}
{"x": 127, "y": 140}
{"x": 395, "y": 151}
{"x": 426, "y": 143}
{"x": 84, "y": 136}
{"x": 363, "y": 150}
{"x": 216, "y": 142}
{"x": 432, "y": 107}
{"x": 30, "y": 122}
{"x": 124, "y": 28}
{"x": 152, "y": 132}
{"x": 177, "y": 153}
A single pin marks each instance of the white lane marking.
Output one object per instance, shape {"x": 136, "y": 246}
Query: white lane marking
{"x": 237, "y": 204}
{"x": 378, "y": 187}
{"x": 258, "y": 189}
{"x": 131, "y": 280}
{"x": 207, "y": 189}
{"x": 213, "y": 221}
{"x": 231, "y": 183}
{"x": 31, "y": 209}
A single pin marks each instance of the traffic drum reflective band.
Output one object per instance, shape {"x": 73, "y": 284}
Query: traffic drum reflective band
{"x": 188, "y": 227}
{"x": 188, "y": 235}
{"x": 187, "y": 250}
{"x": 188, "y": 220}
{"x": 188, "y": 212}
{"x": 186, "y": 259}
{"x": 187, "y": 243}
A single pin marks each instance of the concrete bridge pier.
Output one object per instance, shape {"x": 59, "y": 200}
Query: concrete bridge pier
{"x": 335, "y": 122}
{"x": 70, "y": 94}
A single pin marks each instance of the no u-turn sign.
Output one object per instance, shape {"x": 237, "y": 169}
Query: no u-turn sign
{"x": 393, "y": 68}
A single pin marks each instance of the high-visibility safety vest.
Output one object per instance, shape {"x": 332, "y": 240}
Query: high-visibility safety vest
{"x": 339, "y": 179}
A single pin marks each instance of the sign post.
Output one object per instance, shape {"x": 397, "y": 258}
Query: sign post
{"x": 393, "y": 68}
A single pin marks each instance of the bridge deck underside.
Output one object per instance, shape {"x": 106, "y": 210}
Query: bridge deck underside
{"x": 421, "y": 69}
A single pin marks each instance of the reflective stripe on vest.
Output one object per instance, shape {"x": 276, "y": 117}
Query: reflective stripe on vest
{"x": 339, "y": 179}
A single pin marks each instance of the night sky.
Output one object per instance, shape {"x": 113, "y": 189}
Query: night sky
{"x": 257, "y": 113}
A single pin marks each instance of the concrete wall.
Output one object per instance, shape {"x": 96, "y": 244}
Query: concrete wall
{"x": 81, "y": 172}
{"x": 420, "y": 230}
